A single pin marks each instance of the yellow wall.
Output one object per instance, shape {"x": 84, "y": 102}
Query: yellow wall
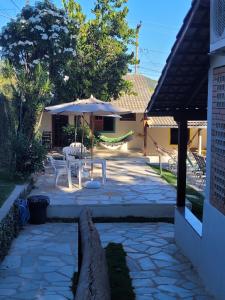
{"x": 162, "y": 137}
{"x": 46, "y": 122}
{"x": 123, "y": 127}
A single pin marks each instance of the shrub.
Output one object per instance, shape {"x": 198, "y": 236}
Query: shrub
{"x": 28, "y": 155}
{"x": 69, "y": 130}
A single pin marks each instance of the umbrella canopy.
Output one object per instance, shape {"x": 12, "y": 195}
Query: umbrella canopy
{"x": 90, "y": 105}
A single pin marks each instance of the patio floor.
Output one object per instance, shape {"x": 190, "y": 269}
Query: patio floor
{"x": 43, "y": 258}
{"x": 132, "y": 189}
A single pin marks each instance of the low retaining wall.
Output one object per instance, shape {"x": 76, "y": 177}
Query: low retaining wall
{"x": 9, "y": 219}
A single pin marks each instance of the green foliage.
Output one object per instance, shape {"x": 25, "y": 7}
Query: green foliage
{"x": 116, "y": 139}
{"x": 41, "y": 34}
{"x": 197, "y": 202}
{"x": 120, "y": 281}
{"x": 31, "y": 92}
{"x": 83, "y": 57}
{"x": 6, "y": 189}
{"x": 22, "y": 152}
{"x": 102, "y": 50}
{"x": 28, "y": 155}
{"x": 69, "y": 130}
{"x": 6, "y": 131}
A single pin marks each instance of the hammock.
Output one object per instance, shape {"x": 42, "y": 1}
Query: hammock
{"x": 171, "y": 153}
{"x": 114, "y": 143}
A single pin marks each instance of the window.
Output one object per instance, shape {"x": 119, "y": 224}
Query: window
{"x": 174, "y": 136}
{"x": 128, "y": 117}
{"x": 106, "y": 124}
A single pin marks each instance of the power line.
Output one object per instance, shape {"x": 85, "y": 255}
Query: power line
{"x": 149, "y": 69}
{"x": 5, "y": 16}
{"x": 169, "y": 28}
{"x": 7, "y": 9}
{"x": 152, "y": 70}
{"x": 146, "y": 51}
{"x": 14, "y": 3}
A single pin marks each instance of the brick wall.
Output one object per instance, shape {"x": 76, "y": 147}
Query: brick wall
{"x": 218, "y": 140}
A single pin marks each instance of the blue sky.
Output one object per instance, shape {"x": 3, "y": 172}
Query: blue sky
{"x": 161, "y": 21}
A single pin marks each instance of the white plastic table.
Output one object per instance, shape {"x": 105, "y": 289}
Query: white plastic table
{"x": 80, "y": 163}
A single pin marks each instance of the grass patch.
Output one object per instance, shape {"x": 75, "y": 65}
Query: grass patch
{"x": 120, "y": 281}
{"x": 197, "y": 202}
{"x": 119, "y": 278}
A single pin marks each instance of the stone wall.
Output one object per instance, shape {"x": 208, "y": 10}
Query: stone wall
{"x": 9, "y": 229}
{"x": 9, "y": 219}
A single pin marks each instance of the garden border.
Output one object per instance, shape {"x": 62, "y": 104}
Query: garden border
{"x": 9, "y": 218}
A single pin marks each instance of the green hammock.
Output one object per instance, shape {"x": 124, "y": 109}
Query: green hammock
{"x": 115, "y": 140}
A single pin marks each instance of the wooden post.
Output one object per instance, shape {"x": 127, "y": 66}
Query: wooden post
{"x": 182, "y": 156}
{"x": 92, "y": 133}
{"x": 160, "y": 164}
{"x": 136, "y": 47}
{"x": 200, "y": 141}
{"x": 145, "y": 138}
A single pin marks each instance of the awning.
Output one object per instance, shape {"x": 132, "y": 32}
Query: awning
{"x": 183, "y": 86}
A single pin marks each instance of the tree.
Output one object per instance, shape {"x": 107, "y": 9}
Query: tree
{"x": 41, "y": 34}
{"x": 102, "y": 49}
{"x": 30, "y": 93}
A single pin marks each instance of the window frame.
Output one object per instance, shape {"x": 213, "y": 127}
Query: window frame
{"x": 107, "y": 131}
{"x": 126, "y": 117}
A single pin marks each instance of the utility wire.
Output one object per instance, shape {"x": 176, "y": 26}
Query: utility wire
{"x": 169, "y": 28}
{"x": 5, "y": 16}
{"x": 7, "y": 9}
{"x": 14, "y": 3}
{"x": 149, "y": 69}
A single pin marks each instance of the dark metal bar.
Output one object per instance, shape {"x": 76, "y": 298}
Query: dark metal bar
{"x": 182, "y": 156}
{"x": 80, "y": 257}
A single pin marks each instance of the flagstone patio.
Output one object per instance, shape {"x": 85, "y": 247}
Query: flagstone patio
{"x": 132, "y": 189}
{"x": 43, "y": 258}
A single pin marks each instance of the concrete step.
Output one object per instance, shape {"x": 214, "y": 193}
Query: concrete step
{"x": 145, "y": 210}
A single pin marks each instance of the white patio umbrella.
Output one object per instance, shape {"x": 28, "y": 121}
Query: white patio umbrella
{"x": 90, "y": 106}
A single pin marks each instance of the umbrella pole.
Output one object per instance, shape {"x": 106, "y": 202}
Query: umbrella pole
{"x": 75, "y": 131}
{"x": 92, "y": 139}
{"x": 82, "y": 139}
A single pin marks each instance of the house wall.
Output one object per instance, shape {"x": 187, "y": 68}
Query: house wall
{"x": 162, "y": 137}
{"x": 123, "y": 127}
{"x": 211, "y": 261}
{"x": 46, "y": 122}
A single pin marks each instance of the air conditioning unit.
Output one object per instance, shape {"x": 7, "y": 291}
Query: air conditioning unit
{"x": 217, "y": 25}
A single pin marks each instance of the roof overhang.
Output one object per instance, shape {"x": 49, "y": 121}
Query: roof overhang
{"x": 183, "y": 86}
{"x": 169, "y": 122}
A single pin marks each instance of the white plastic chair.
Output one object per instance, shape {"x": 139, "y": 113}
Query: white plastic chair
{"x": 61, "y": 167}
{"x": 78, "y": 147}
{"x": 68, "y": 151}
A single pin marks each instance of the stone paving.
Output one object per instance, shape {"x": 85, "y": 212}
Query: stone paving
{"x": 40, "y": 264}
{"x": 129, "y": 181}
{"x": 43, "y": 258}
{"x": 157, "y": 267}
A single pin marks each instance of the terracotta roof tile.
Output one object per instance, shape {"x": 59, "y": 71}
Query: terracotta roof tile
{"x": 143, "y": 89}
{"x": 169, "y": 122}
